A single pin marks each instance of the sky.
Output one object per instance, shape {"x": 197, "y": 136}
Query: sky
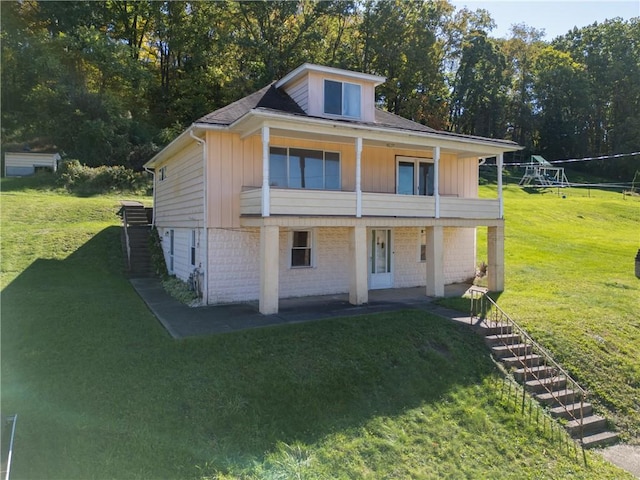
{"x": 555, "y": 17}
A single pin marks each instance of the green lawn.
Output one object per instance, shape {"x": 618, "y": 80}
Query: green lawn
{"x": 103, "y": 392}
{"x": 570, "y": 282}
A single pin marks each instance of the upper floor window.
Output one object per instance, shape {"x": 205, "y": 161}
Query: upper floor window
{"x": 162, "y": 174}
{"x": 415, "y": 176}
{"x": 342, "y": 98}
{"x": 303, "y": 168}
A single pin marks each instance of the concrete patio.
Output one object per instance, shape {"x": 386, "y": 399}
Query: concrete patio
{"x": 182, "y": 321}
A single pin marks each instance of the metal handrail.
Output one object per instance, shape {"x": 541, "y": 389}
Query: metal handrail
{"x": 479, "y": 297}
{"x": 125, "y": 224}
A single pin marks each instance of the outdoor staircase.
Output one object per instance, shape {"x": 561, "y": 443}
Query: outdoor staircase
{"x": 136, "y": 222}
{"x": 534, "y": 368}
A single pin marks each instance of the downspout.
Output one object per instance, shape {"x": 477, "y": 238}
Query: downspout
{"x": 205, "y": 207}
{"x": 500, "y": 198}
{"x": 436, "y": 179}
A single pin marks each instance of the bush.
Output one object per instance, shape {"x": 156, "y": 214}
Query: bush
{"x": 157, "y": 255}
{"x": 85, "y": 180}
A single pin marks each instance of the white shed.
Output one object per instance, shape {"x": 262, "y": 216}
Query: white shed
{"x": 20, "y": 164}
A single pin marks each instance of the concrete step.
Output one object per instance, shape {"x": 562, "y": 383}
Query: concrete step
{"x": 560, "y": 397}
{"x": 532, "y": 360}
{"x": 493, "y": 328}
{"x": 572, "y": 410}
{"x": 590, "y": 424}
{"x": 541, "y": 371}
{"x": 545, "y": 384}
{"x": 601, "y": 439}
{"x": 518, "y": 349}
{"x": 506, "y": 339}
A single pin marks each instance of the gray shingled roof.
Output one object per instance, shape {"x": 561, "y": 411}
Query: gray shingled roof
{"x": 268, "y": 97}
{"x": 276, "y": 100}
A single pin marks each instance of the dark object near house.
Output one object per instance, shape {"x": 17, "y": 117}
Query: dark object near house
{"x": 638, "y": 264}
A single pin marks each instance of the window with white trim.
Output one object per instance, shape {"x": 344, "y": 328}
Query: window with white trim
{"x": 304, "y": 168}
{"x": 415, "y": 176}
{"x": 301, "y": 248}
{"x": 193, "y": 248}
{"x": 162, "y": 174}
{"x": 342, "y": 98}
{"x": 171, "y": 249}
{"x": 422, "y": 245}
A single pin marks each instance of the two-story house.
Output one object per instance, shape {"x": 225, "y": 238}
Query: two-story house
{"x": 306, "y": 188}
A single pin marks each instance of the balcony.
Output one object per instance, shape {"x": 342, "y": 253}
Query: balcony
{"x": 325, "y": 203}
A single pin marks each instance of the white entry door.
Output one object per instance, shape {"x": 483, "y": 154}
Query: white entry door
{"x": 380, "y": 260}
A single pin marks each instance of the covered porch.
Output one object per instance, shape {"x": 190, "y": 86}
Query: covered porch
{"x": 359, "y": 244}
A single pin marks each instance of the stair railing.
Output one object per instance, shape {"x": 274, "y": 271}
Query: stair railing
{"x": 485, "y": 310}
{"x": 125, "y": 223}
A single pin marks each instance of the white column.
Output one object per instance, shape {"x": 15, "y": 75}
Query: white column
{"x": 436, "y": 179}
{"x": 358, "y": 177}
{"x": 499, "y": 161}
{"x": 495, "y": 257}
{"x": 358, "y": 285}
{"x": 435, "y": 261}
{"x": 269, "y": 269}
{"x": 265, "y": 171}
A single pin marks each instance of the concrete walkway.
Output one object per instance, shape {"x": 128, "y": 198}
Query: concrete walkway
{"x": 182, "y": 321}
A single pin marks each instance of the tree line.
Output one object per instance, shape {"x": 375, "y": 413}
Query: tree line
{"x": 111, "y": 82}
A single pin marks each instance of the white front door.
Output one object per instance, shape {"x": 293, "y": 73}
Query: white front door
{"x": 380, "y": 259}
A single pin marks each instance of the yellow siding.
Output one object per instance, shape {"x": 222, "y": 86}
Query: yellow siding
{"x": 179, "y": 197}
{"x": 236, "y": 164}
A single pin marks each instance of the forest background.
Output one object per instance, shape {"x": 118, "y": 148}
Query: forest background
{"x": 110, "y": 83}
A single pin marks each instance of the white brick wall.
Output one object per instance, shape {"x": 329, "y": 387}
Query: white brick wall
{"x": 331, "y": 271}
{"x": 234, "y": 269}
{"x": 408, "y": 270}
{"x": 459, "y": 256}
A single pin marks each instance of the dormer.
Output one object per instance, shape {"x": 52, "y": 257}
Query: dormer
{"x": 332, "y": 92}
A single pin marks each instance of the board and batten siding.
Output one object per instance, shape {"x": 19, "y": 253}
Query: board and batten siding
{"x": 179, "y": 197}
{"x": 235, "y": 165}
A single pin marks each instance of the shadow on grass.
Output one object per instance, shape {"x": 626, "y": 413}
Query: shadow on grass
{"x": 103, "y": 391}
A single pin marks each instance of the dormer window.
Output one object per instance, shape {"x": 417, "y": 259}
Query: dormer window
{"x": 342, "y": 98}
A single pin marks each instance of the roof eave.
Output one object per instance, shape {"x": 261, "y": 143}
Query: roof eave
{"x": 173, "y": 147}
{"x": 502, "y": 145}
{"x": 294, "y": 74}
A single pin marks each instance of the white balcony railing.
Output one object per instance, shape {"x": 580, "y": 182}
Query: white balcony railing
{"x": 338, "y": 203}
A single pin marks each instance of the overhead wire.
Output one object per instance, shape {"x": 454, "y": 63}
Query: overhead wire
{"x": 570, "y": 160}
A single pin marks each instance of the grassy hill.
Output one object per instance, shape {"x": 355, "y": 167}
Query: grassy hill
{"x": 103, "y": 392}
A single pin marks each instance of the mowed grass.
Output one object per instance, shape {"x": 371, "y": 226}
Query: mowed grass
{"x": 570, "y": 281}
{"x": 103, "y": 392}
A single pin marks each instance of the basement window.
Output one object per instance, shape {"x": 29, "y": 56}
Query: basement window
{"x": 193, "y": 248}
